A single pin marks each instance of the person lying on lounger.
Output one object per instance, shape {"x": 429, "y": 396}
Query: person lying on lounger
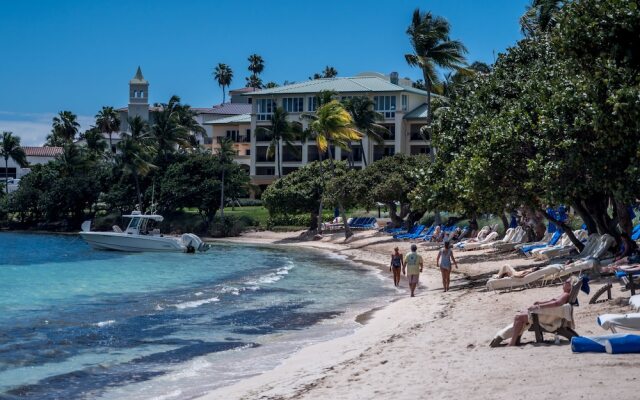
{"x": 522, "y": 318}
{"x": 508, "y": 271}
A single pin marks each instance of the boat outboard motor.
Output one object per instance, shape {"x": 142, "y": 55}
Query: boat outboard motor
{"x": 86, "y": 226}
{"x": 189, "y": 239}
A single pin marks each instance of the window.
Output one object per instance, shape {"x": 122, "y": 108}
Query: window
{"x": 312, "y": 103}
{"x": 7, "y": 173}
{"x": 288, "y": 170}
{"x": 265, "y": 171}
{"x": 380, "y": 151}
{"x": 405, "y": 102}
{"x": 415, "y": 150}
{"x": 292, "y": 154}
{"x": 265, "y": 109}
{"x": 357, "y": 153}
{"x": 135, "y": 93}
{"x": 262, "y": 154}
{"x": 233, "y": 135}
{"x": 385, "y": 105}
{"x": 247, "y": 152}
{"x": 293, "y": 104}
{"x": 142, "y": 93}
{"x": 415, "y": 132}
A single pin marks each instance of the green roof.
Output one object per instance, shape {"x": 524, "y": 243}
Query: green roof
{"x": 234, "y": 119}
{"x": 419, "y": 112}
{"x": 357, "y": 84}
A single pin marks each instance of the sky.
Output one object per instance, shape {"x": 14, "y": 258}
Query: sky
{"x": 79, "y": 55}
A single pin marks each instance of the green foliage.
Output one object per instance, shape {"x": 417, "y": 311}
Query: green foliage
{"x": 289, "y": 220}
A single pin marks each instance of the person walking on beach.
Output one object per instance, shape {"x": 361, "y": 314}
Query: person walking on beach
{"x": 397, "y": 262}
{"x": 444, "y": 260}
{"x": 413, "y": 264}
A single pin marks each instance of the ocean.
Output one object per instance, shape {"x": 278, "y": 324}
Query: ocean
{"x": 78, "y": 323}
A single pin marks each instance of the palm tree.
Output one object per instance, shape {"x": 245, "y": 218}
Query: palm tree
{"x": 187, "y": 119}
{"x": 223, "y": 75}
{"x": 540, "y": 16}
{"x": 432, "y": 48}
{"x": 254, "y": 81}
{"x": 281, "y": 131}
{"x": 333, "y": 126}
{"x": 10, "y": 148}
{"x": 329, "y": 72}
{"x": 271, "y": 85}
{"x": 65, "y": 126}
{"x": 108, "y": 121}
{"x": 167, "y": 131}
{"x": 95, "y": 141}
{"x": 256, "y": 66}
{"x": 225, "y": 154}
{"x": 135, "y": 153}
{"x": 365, "y": 121}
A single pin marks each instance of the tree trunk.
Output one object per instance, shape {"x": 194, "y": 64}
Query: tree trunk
{"x": 278, "y": 158}
{"x": 579, "y": 245}
{"x": 397, "y": 222}
{"x": 624, "y": 218}
{"x": 364, "y": 157}
{"x": 343, "y": 214}
{"x": 505, "y": 221}
{"x": 314, "y": 222}
{"x": 6, "y": 175}
{"x": 319, "y": 227}
{"x": 137, "y": 181}
{"x": 585, "y": 216}
{"x": 110, "y": 145}
{"x": 222, "y": 195}
{"x": 413, "y": 217}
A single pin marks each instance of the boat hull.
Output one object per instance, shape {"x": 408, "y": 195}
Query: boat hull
{"x": 132, "y": 243}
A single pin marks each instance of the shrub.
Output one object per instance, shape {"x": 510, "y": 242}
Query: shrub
{"x": 289, "y": 220}
{"x": 231, "y": 225}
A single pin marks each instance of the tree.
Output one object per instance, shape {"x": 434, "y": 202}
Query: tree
{"x": 225, "y": 154}
{"x": 167, "y": 130}
{"x": 365, "y": 120}
{"x": 271, "y": 85}
{"x": 108, "y": 121}
{"x": 281, "y": 131}
{"x": 195, "y": 182}
{"x": 301, "y": 191}
{"x": 223, "y": 75}
{"x": 96, "y": 145}
{"x": 333, "y": 125}
{"x": 10, "y": 148}
{"x": 390, "y": 181}
{"x": 256, "y": 66}
{"x": 135, "y": 153}
{"x": 541, "y": 16}
{"x": 432, "y": 48}
{"x": 328, "y": 72}
{"x": 65, "y": 126}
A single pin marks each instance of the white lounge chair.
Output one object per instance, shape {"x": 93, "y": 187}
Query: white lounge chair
{"x": 475, "y": 245}
{"x": 512, "y": 282}
{"x": 516, "y": 239}
{"x": 591, "y": 260}
{"x": 563, "y": 249}
{"x": 620, "y": 321}
{"x": 634, "y": 302}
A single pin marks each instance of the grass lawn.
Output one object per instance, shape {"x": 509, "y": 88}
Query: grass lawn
{"x": 258, "y": 213}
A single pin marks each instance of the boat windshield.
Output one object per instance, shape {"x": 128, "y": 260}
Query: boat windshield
{"x": 133, "y": 225}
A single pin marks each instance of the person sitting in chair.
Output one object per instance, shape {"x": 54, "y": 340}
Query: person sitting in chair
{"x": 522, "y": 319}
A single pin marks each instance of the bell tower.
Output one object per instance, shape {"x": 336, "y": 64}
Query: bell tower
{"x": 139, "y": 96}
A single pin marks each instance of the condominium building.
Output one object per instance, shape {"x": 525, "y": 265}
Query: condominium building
{"x": 402, "y": 107}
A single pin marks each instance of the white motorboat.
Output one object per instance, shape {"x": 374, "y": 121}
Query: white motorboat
{"x": 140, "y": 235}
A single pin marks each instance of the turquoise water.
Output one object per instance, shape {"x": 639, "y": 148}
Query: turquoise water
{"x": 78, "y": 323}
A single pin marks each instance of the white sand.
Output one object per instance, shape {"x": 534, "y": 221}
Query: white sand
{"x": 436, "y": 345}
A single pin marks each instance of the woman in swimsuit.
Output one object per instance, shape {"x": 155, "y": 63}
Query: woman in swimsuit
{"x": 444, "y": 260}
{"x": 396, "y": 265}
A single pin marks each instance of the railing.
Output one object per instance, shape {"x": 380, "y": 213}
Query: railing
{"x": 239, "y": 139}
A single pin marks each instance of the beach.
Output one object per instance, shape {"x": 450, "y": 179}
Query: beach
{"x": 436, "y": 345}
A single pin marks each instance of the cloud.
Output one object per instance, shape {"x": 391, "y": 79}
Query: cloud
{"x": 33, "y": 128}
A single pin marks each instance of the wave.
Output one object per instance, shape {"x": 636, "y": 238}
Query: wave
{"x": 271, "y": 277}
{"x": 195, "y": 303}
{"x": 102, "y": 324}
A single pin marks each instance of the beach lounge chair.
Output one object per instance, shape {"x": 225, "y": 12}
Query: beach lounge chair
{"x": 526, "y": 281}
{"x": 413, "y": 233}
{"x": 591, "y": 259}
{"x": 557, "y": 320}
{"x": 426, "y": 235}
{"x": 565, "y": 247}
{"x": 490, "y": 238}
{"x": 518, "y": 236}
{"x": 551, "y": 241}
{"x": 634, "y": 302}
{"x": 635, "y": 234}
{"x": 620, "y": 321}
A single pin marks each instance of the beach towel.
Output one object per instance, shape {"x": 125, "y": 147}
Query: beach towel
{"x": 510, "y": 282}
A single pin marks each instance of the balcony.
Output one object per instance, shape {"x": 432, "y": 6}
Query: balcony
{"x": 237, "y": 139}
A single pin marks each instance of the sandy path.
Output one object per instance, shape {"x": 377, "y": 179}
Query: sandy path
{"x": 436, "y": 346}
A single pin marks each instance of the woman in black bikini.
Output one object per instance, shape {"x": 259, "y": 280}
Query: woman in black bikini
{"x": 396, "y": 265}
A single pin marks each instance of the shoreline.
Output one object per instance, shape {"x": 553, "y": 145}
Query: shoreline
{"x": 436, "y": 345}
